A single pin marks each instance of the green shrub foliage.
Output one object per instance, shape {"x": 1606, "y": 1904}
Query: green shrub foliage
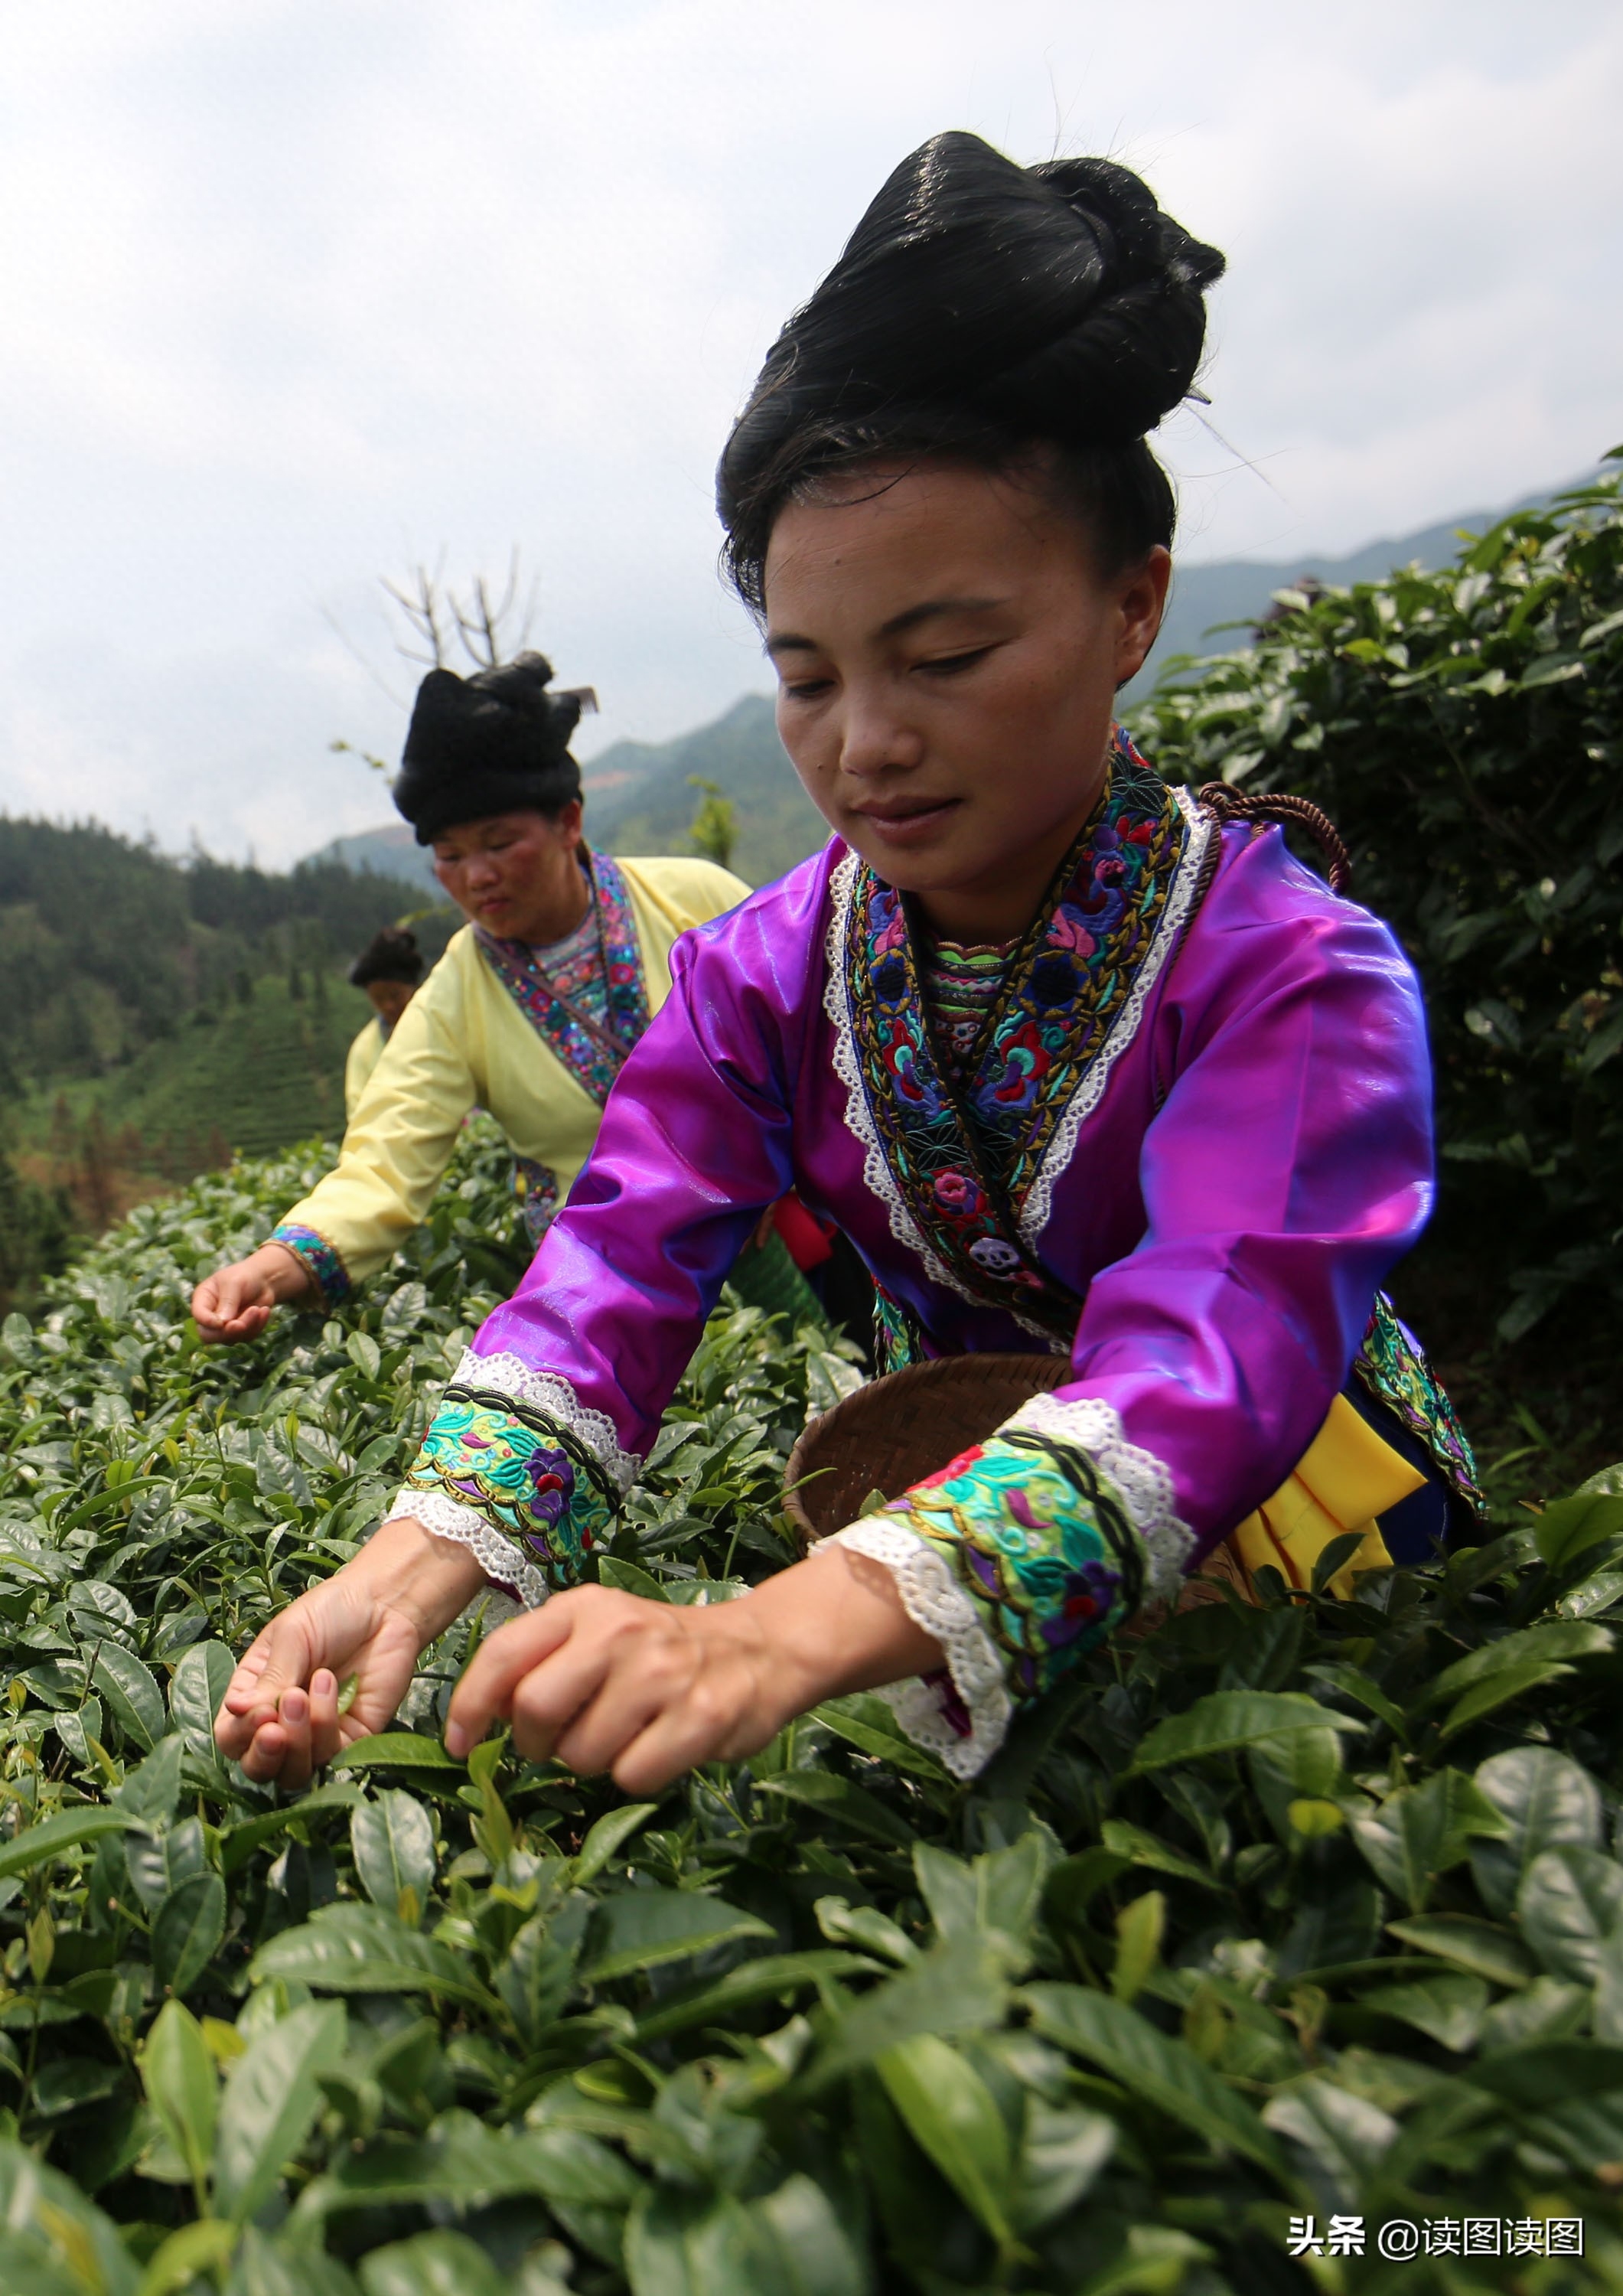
{"x": 1464, "y": 730}
{"x": 1300, "y": 1911}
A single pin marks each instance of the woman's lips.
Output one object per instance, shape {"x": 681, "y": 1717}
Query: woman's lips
{"x": 912, "y": 824}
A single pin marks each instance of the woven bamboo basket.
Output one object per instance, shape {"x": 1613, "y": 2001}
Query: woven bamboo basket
{"x": 898, "y": 1429}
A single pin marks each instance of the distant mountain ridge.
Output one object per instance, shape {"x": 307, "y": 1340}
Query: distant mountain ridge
{"x": 639, "y": 794}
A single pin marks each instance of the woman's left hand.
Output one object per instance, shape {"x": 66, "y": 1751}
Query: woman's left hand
{"x": 608, "y": 1681}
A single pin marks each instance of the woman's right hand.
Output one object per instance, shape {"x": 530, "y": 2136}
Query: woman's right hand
{"x": 372, "y": 1619}
{"x": 236, "y": 1302}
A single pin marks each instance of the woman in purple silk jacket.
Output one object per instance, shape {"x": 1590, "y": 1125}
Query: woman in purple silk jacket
{"x": 1072, "y": 1061}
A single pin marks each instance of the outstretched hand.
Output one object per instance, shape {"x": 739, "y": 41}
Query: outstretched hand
{"x": 608, "y": 1681}
{"x": 237, "y": 1302}
{"x": 372, "y": 1619}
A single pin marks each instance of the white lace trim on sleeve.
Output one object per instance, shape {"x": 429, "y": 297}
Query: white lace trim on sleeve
{"x": 933, "y": 1599}
{"x": 497, "y": 1557}
{"x": 546, "y": 1391}
{"x": 1142, "y": 1481}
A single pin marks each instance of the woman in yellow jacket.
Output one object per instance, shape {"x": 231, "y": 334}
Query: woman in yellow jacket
{"x": 528, "y": 1014}
{"x": 388, "y": 970}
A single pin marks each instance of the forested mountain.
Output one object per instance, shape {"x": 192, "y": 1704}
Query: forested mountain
{"x": 107, "y": 946}
{"x": 639, "y": 794}
{"x": 156, "y": 1015}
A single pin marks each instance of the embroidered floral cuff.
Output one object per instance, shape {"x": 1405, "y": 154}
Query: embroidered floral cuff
{"x": 1019, "y": 1555}
{"x": 323, "y": 1262}
{"x": 516, "y": 1468}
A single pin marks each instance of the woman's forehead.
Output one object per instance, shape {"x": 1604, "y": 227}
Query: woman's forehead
{"x": 881, "y": 539}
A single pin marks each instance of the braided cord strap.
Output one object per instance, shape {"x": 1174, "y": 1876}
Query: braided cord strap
{"x": 1225, "y": 804}
{"x": 1023, "y": 1553}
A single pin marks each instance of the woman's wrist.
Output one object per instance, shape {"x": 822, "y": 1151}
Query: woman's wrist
{"x": 830, "y": 1625}
{"x": 432, "y": 1579}
{"x": 282, "y": 1271}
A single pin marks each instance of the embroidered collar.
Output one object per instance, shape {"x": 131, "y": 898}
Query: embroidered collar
{"x": 968, "y": 1169}
{"x": 593, "y": 1056}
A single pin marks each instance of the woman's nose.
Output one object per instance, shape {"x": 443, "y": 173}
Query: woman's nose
{"x": 875, "y": 737}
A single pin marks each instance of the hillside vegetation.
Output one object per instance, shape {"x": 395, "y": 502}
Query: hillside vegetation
{"x": 1464, "y": 730}
{"x": 1269, "y": 1916}
{"x": 157, "y": 1014}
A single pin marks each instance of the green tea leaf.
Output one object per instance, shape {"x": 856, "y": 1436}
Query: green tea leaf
{"x": 441, "y": 2263}
{"x": 272, "y": 2098}
{"x": 774, "y": 1977}
{"x": 200, "y": 1683}
{"x": 607, "y": 1837}
{"x": 957, "y": 1987}
{"x": 1569, "y": 1528}
{"x": 1475, "y": 1945}
{"x": 69, "y": 1829}
{"x": 640, "y": 1929}
{"x": 130, "y": 1693}
{"x": 1149, "y": 2064}
{"x": 1001, "y": 1890}
{"x": 1226, "y": 1720}
{"x": 350, "y": 1948}
{"x": 1140, "y": 1927}
{"x": 1569, "y": 1901}
{"x": 1547, "y": 1803}
{"x": 848, "y": 1806}
{"x": 150, "y": 1792}
{"x": 392, "y": 1843}
{"x": 178, "y": 2074}
{"x": 1421, "y": 1831}
{"x": 1348, "y": 2137}
{"x": 1502, "y": 1688}
{"x": 952, "y": 2116}
{"x": 56, "y": 2241}
{"x": 187, "y": 1930}
{"x": 1448, "y": 2008}
{"x": 395, "y": 1750}
{"x": 180, "y": 2260}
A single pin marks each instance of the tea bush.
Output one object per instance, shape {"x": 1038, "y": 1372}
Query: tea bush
{"x": 1464, "y": 730}
{"x": 1303, "y": 1912}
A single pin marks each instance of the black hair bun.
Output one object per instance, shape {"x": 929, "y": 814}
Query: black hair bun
{"x": 390, "y": 955}
{"x": 1055, "y": 302}
{"x": 496, "y": 743}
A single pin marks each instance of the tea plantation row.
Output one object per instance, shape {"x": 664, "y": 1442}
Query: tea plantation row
{"x": 1307, "y": 1912}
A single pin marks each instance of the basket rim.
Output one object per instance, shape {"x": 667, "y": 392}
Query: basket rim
{"x": 936, "y": 1370}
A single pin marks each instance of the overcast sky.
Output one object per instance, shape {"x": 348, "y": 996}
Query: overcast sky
{"x": 297, "y": 293}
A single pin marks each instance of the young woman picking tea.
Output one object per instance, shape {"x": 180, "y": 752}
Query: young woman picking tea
{"x": 1069, "y": 1059}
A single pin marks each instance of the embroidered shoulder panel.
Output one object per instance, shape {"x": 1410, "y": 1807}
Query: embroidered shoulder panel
{"x": 522, "y": 1454}
{"x": 951, "y": 1165}
{"x": 1392, "y": 1365}
{"x": 322, "y": 1261}
{"x": 588, "y": 1060}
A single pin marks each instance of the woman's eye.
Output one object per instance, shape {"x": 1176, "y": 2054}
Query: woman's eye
{"x": 807, "y": 689}
{"x": 948, "y": 665}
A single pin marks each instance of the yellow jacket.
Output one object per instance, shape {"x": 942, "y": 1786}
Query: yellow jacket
{"x": 364, "y": 1056}
{"x": 464, "y": 1043}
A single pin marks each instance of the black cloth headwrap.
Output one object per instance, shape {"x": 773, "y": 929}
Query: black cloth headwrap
{"x": 392, "y": 954}
{"x": 496, "y": 743}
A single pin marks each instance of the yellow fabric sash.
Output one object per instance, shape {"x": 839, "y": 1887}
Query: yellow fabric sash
{"x": 1345, "y": 1479}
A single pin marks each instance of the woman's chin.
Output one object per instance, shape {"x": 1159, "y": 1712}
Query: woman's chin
{"x": 931, "y": 858}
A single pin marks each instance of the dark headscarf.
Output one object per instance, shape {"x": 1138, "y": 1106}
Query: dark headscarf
{"x": 496, "y": 743}
{"x": 392, "y": 954}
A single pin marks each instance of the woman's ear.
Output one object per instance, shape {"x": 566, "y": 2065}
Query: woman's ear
{"x": 1140, "y": 601}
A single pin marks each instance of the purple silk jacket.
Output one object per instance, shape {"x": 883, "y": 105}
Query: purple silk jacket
{"x": 1256, "y": 1156}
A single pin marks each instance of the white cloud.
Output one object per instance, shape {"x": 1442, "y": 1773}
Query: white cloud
{"x": 300, "y": 290}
